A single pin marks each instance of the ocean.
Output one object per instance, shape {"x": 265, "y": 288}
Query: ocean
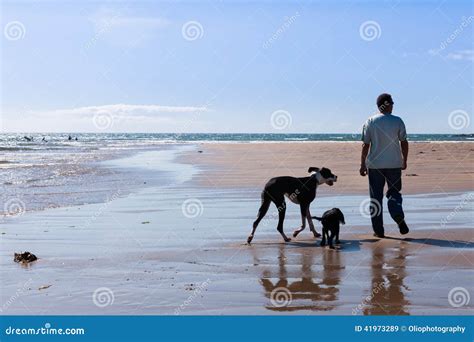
{"x": 39, "y": 171}
{"x": 9, "y": 139}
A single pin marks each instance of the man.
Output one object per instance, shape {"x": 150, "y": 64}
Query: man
{"x": 384, "y": 156}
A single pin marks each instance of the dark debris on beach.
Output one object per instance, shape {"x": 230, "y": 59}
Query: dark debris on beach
{"x": 25, "y": 257}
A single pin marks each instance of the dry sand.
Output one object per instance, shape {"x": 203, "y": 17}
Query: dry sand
{"x": 437, "y": 167}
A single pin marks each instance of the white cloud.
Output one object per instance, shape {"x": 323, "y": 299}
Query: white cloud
{"x": 121, "y": 110}
{"x": 467, "y": 55}
{"x": 109, "y": 118}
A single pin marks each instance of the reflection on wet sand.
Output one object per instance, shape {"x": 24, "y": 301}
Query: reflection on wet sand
{"x": 309, "y": 293}
{"x": 387, "y": 290}
{"x": 312, "y": 281}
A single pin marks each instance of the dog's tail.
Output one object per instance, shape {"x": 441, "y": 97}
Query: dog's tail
{"x": 317, "y": 218}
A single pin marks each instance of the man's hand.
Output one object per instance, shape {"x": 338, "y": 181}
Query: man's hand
{"x": 363, "y": 158}
{"x": 404, "y": 146}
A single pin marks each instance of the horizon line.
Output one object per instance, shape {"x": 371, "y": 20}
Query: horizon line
{"x": 178, "y": 133}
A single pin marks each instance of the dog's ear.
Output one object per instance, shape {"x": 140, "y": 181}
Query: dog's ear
{"x": 313, "y": 169}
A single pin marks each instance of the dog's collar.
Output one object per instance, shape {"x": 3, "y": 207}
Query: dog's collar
{"x": 318, "y": 178}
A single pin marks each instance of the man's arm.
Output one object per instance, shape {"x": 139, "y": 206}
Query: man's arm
{"x": 363, "y": 157}
{"x": 404, "y": 146}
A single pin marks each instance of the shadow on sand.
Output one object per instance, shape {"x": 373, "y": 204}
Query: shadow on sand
{"x": 343, "y": 246}
{"x": 437, "y": 242}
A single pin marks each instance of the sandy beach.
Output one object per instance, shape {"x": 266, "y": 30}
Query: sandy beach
{"x": 434, "y": 167}
{"x": 177, "y": 247}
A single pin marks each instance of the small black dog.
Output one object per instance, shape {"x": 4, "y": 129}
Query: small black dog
{"x": 331, "y": 220}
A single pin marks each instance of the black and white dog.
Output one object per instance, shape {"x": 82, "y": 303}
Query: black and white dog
{"x": 301, "y": 191}
{"x": 331, "y": 221}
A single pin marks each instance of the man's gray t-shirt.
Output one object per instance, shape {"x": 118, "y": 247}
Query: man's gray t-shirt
{"x": 384, "y": 133}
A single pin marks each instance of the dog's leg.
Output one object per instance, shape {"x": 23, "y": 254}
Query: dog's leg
{"x": 325, "y": 233}
{"x": 261, "y": 213}
{"x": 310, "y": 223}
{"x": 281, "y": 217}
{"x": 330, "y": 239}
{"x": 304, "y": 209}
{"x": 337, "y": 233}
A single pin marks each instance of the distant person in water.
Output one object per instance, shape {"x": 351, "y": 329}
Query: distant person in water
{"x": 44, "y": 139}
{"x": 384, "y": 156}
{"x": 28, "y": 138}
{"x": 69, "y": 138}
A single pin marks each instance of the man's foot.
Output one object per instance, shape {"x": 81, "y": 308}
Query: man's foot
{"x": 379, "y": 235}
{"x": 402, "y": 225}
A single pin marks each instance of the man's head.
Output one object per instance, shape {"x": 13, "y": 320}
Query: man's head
{"x": 385, "y": 103}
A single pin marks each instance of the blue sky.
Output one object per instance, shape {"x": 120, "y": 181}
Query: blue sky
{"x": 222, "y": 66}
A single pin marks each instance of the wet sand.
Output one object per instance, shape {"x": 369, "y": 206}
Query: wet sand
{"x": 180, "y": 249}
